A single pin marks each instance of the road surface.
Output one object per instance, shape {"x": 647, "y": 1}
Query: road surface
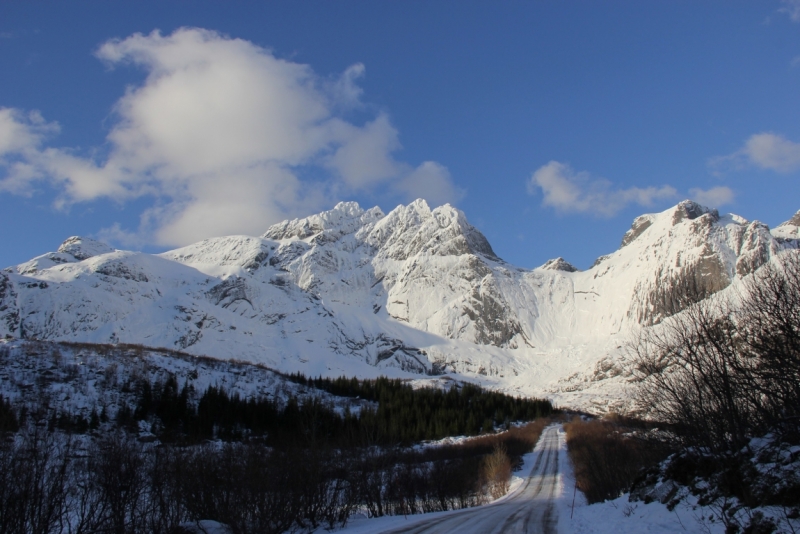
{"x": 529, "y": 510}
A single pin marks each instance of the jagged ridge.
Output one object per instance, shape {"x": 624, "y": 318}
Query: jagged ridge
{"x": 354, "y": 291}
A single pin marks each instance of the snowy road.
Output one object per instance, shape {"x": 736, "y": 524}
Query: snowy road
{"x": 531, "y": 509}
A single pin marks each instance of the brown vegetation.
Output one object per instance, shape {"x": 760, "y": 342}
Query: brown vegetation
{"x": 496, "y": 471}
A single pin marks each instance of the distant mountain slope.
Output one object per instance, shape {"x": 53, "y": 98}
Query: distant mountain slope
{"x": 360, "y": 292}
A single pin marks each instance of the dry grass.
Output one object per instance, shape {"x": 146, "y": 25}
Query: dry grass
{"x": 495, "y": 455}
{"x": 496, "y": 471}
{"x": 502, "y": 453}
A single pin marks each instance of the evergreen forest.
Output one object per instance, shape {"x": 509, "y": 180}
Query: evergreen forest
{"x": 396, "y": 413}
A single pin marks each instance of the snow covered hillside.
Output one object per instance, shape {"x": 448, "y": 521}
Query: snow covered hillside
{"x": 412, "y": 292}
{"x": 54, "y": 378}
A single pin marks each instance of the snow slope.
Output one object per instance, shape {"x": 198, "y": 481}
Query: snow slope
{"x": 415, "y": 291}
{"x": 75, "y": 379}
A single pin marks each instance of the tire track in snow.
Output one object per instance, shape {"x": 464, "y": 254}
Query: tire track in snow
{"x": 530, "y": 510}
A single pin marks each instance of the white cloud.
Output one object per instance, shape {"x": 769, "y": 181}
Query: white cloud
{"x": 791, "y": 8}
{"x": 116, "y": 234}
{"x": 771, "y": 151}
{"x": 432, "y": 182}
{"x": 570, "y": 191}
{"x": 21, "y": 137}
{"x": 223, "y": 135}
{"x": 714, "y": 197}
{"x": 365, "y": 156}
{"x": 345, "y": 88}
{"x": 764, "y": 150}
{"x": 21, "y": 133}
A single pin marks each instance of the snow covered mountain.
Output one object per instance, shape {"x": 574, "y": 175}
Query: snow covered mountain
{"x": 415, "y": 291}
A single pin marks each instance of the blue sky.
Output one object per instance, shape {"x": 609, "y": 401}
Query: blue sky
{"x": 551, "y": 124}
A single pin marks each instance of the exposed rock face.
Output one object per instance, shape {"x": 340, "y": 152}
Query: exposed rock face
{"x": 599, "y": 260}
{"x": 82, "y": 248}
{"x": 689, "y": 210}
{"x": 700, "y": 255}
{"x": 672, "y": 291}
{"x": 640, "y": 224}
{"x": 559, "y": 264}
{"x": 794, "y": 221}
{"x": 9, "y": 311}
{"x": 788, "y": 233}
{"x": 757, "y": 246}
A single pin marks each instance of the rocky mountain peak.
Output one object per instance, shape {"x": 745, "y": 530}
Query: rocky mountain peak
{"x": 559, "y": 264}
{"x": 344, "y": 218}
{"x": 412, "y": 229}
{"x": 449, "y": 217}
{"x": 640, "y": 224}
{"x": 686, "y": 210}
{"x": 794, "y": 221}
{"x": 690, "y": 210}
{"x": 82, "y": 248}
{"x": 789, "y": 231}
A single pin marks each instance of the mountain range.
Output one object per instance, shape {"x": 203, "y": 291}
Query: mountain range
{"x": 416, "y": 293}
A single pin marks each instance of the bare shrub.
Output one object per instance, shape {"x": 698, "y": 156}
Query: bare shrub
{"x": 117, "y": 466}
{"x": 689, "y": 379}
{"x": 118, "y": 485}
{"x": 769, "y": 320}
{"x": 163, "y": 508}
{"x": 33, "y": 482}
{"x": 517, "y": 440}
{"x": 727, "y": 369}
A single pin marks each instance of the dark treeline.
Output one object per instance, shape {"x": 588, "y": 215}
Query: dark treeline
{"x": 50, "y": 482}
{"x": 403, "y": 415}
{"x": 406, "y": 414}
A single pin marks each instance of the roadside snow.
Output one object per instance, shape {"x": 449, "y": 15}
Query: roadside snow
{"x": 621, "y": 516}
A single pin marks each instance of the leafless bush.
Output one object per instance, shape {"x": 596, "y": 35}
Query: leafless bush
{"x": 255, "y": 490}
{"x": 770, "y": 338}
{"x": 33, "y": 483}
{"x": 117, "y": 485}
{"x": 727, "y": 368}
{"x": 110, "y": 487}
